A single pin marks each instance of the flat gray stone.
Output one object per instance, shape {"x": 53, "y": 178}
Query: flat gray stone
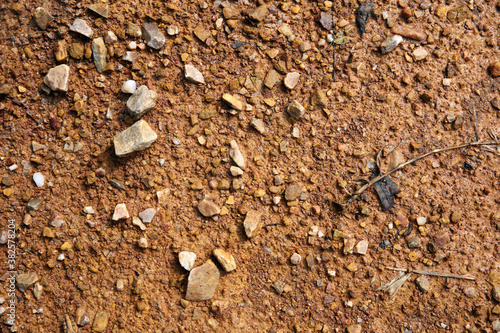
{"x": 81, "y": 27}
{"x": 26, "y": 280}
{"x": 252, "y": 223}
{"x": 141, "y": 101}
{"x": 295, "y": 110}
{"x": 147, "y": 215}
{"x": 135, "y": 138}
{"x": 153, "y": 36}
{"x": 202, "y": 282}
{"x": 57, "y": 78}
{"x": 99, "y": 52}
{"x": 193, "y": 75}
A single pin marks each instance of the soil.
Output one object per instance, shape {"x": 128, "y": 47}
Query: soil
{"x": 374, "y": 101}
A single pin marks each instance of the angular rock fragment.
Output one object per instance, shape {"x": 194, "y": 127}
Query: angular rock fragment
{"x": 187, "y": 259}
{"x": 291, "y": 80}
{"x": 409, "y": 32}
{"x": 390, "y": 43}
{"x": 233, "y": 102}
{"x": 236, "y": 154}
{"x": 100, "y": 9}
{"x": 202, "y": 282}
{"x": 361, "y": 247}
{"x": 133, "y": 30}
{"x": 163, "y": 196}
{"x": 147, "y": 215}
{"x": 42, "y": 17}
{"x": 319, "y": 99}
{"x": 272, "y": 78}
{"x": 81, "y": 27}
{"x": 363, "y": 14}
{"x": 120, "y": 213}
{"x": 208, "y": 208}
{"x": 225, "y": 259}
{"x": 57, "y": 78}
{"x": 459, "y": 14}
{"x": 141, "y": 101}
{"x": 252, "y": 223}
{"x": 258, "y": 124}
{"x": 326, "y": 20}
{"x": 99, "y": 52}
{"x": 100, "y": 321}
{"x": 295, "y": 110}
{"x": 153, "y": 36}
{"x": 258, "y": 14}
{"x": 420, "y": 53}
{"x": 193, "y": 75}
{"x": 135, "y": 138}
{"x": 130, "y": 56}
{"x": 26, "y": 280}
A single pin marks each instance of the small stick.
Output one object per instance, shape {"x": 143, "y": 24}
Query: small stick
{"x": 476, "y": 126}
{"x": 464, "y": 277}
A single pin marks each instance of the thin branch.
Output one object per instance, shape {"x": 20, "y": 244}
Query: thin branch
{"x": 463, "y": 277}
{"x": 476, "y": 123}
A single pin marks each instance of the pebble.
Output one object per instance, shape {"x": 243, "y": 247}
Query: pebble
{"x": 235, "y": 171}
{"x": 414, "y": 242}
{"x": 61, "y": 52}
{"x": 187, "y": 259}
{"x": 293, "y": 192}
{"x": 291, "y": 80}
{"x": 225, "y": 259}
{"x": 57, "y": 78}
{"x": 421, "y": 220}
{"x": 120, "y": 213}
{"x": 34, "y": 204}
{"x": 236, "y": 155}
{"x": 495, "y": 325}
{"x": 494, "y": 69}
{"x": 38, "y": 179}
{"x": 295, "y": 110}
{"x": 258, "y": 124}
{"x": 420, "y": 53}
{"x": 319, "y": 99}
{"x": 326, "y": 20}
{"x": 99, "y": 52}
{"x": 100, "y": 9}
{"x": 459, "y": 14}
{"x": 172, "y": 30}
{"x": 409, "y": 32}
{"x": 37, "y": 290}
{"x": 141, "y": 101}
{"x": 202, "y": 282}
{"x": 233, "y": 102}
{"x": 120, "y": 285}
{"x": 361, "y": 247}
{"x": 163, "y": 196}
{"x": 470, "y": 292}
{"x": 48, "y": 233}
{"x": 354, "y": 328}
{"x": 130, "y": 56}
{"x": 422, "y": 283}
{"x": 110, "y": 37}
{"x": 252, "y": 223}
{"x": 137, "y": 222}
{"x": 57, "y": 222}
{"x": 456, "y": 216}
{"x": 390, "y": 43}
{"x": 295, "y": 259}
{"x": 76, "y": 51}
{"x": 4, "y": 237}
{"x": 147, "y": 215}
{"x": 133, "y": 30}
{"x": 193, "y": 75}
{"x": 143, "y": 243}
{"x": 26, "y": 280}
{"x": 135, "y": 138}
{"x": 42, "y": 17}
{"x": 272, "y": 78}
{"x": 258, "y": 14}
{"x": 100, "y": 321}
{"x": 153, "y": 36}
{"x": 208, "y": 208}
{"x": 129, "y": 87}
{"x": 81, "y": 27}
{"x": 496, "y": 292}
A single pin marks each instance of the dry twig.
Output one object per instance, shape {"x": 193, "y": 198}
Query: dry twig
{"x": 463, "y": 277}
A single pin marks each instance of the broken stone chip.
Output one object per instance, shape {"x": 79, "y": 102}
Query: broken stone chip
{"x": 141, "y": 101}
{"x": 135, "y": 138}
{"x": 57, "y": 78}
{"x": 202, "y": 282}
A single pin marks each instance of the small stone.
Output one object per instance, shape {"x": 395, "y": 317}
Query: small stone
{"x": 295, "y": 259}
{"x": 208, "y": 208}
{"x": 187, "y": 259}
{"x": 470, "y": 292}
{"x": 143, "y": 243}
{"x": 42, "y": 17}
{"x": 26, "y": 280}
{"x": 48, "y": 233}
{"x": 100, "y": 321}
{"x": 293, "y": 192}
{"x": 291, "y": 80}
{"x": 202, "y": 282}
{"x": 459, "y": 14}
{"x": 135, "y": 138}
{"x": 409, "y": 32}
{"x": 456, "y": 216}
{"x": 421, "y": 220}
{"x": 495, "y": 325}
{"x": 129, "y": 87}
{"x": 37, "y": 290}
{"x": 163, "y": 196}
{"x": 305, "y": 46}
{"x": 420, "y": 53}
{"x": 272, "y": 78}
{"x": 110, "y": 37}
{"x": 496, "y": 292}
{"x": 258, "y": 124}
{"x": 361, "y": 247}
{"x": 172, "y": 30}
{"x": 414, "y": 242}
{"x": 34, "y": 204}
{"x": 396, "y": 159}
{"x": 258, "y": 14}
{"x": 236, "y": 155}
{"x": 494, "y": 69}
{"x": 4, "y": 237}
{"x": 57, "y": 78}
{"x": 201, "y": 33}
{"x": 390, "y": 43}
{"x": 193, "y": 75}
{"x": 153, "y": 36}
{"x": 38, "y": 179}
{"x": 326, "y": 20}
{"x": 233, "y": 102}
{"x": 57, "y": 222}
{"x": 133, "y": 30}
{"x": 137, "y": 222}
{"x": 81, "y": 27}
{"x": 441, "y": 11}
{"x": 252, "y": 223}
{"x": 352, "y": 267}
{"x": 354, "y": 328}
{"x": 99, "y": 52}
{"x": 61, "y": 52}
{"x": 76, "y": 51}
{"x": 225, "y": 259}
{"x": 235, "y": 171}
{"x": 120, "y": 213}
{"x": 120, "y": 285}
{"x": 295, "y": 110}
{"x": 319, "y": 99}
{"x": 141, "y": 101}
{"x": 130, "y": 56}
{"x": 7, "y": 181}
{"x": 100, "y": 9}
{"x": 422, "y": 283}
{"x": 285, "y": 30}
{"x": 147, "y": 215}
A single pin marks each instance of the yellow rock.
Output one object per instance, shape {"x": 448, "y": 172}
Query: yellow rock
{"x": 352, "y": 267}
{"x": 66, "y": 246}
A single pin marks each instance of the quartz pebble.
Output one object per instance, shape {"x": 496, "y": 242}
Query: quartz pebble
{"x": 187, "y": 259}
{"x": 295, "y": 110}
{"x": 208, "y": 208}
{"x": 129, "y": 87}
{"x": 390, "y": 43}
{"x": 420, "y": 53}
{"x": 57, "y": 78}
{"x": 326, "y": 20}
{"x": 130, "y": 56}
{"x": 202, "y": 282}
{"x": 38, "y": 179}
{"x": 120, "y": 213}
{"x": 233, "y": 102}
{"x": 143, "y": 243}
{"x": 147, "y": 215}
{"x": 153, "y": 36}
{"x": 361, "y": 247}
{"x": 81, "y": 27}
{"x": 421, "y": 220}
{"x": 99, "y": 52}
{"x": 295, "y": 259}
{"x": 291, "y": 80}
{"x": 225, "y": 259}
{"x": 141, "y": 101}
{"x": 137, "y": 137}
{"x": 252, "y": 223}
{"x": 236, "y": 155}
{"x": 193, "y": 75}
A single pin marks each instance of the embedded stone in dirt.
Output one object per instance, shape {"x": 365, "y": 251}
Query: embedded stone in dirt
{"x": 236, "y": 154}
{"x": 293, "y": 192}
{"x": 258, "y": 14}
{"x": 57, "y": 78}
{"x": 459, "y": 14}
{"x": 137, "y": 222}
{"x": 153, "y": 36}
{"x": 291, "y": 80}
{"x": 120, "y": 213}
{"x": 225, "y": 259}
{"x": 34, "y": 204}
{"x": 258, "y": 124}
{"x": 361, "y": 247}
{"x": 193, "y": 75}
{"x": 208, "y": 208}
{"x": 252, "y": 223}
{"x": 326, "y": 20}
{"x": 163, "y": 196}
{"x": 235, "y": 171}
{"x": 99, "y": 51}
{"x": 100, "y": 9}
{"x": 26, "y": 280}
{"x": 81, "y": 27}
{"x": 420, "y": 53}
{"x": 129, "y": 87}
{"x": 110, "y": 37}
{"x": 147, "y": 215}
{"x": 494, "y": 69}
{"x": 141, "y": 101}
{"x": 295, "y": 110}
{"x": 272, "y": 78}
{"x": 318, "y": 99}
{"x": 135, "y": 138}
{"x": 133, "y": 30}
{"x": 390, "y": 43}
{"x": 42, "y": 17}
{"x": 233, "y": 102}
{"x": 100, "y": 321}
{"x": 295, "y": 259}
{"x": 130, "y": 56}
{"x": 187, "y": 259}
{"x": 202, "y": 282}
{"x": 409, "y": 32}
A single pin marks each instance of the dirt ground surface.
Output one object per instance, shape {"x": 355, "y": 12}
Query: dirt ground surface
{"x": 310, "y": 265}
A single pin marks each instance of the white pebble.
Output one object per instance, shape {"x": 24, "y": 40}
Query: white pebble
{"x": 88, "y": 210}
{"x": 13, "y": 167}
{"x": 329, "y": 38}
{"x": 421, "y": 220}
{"x": 161, "y": 161}
{"x": 61, "y": 257}
{"x": 129, "y": 87}
{"x": 38, "y": 179}
{"x": 187, "y": 259}
{"x": 132, "y": 46}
